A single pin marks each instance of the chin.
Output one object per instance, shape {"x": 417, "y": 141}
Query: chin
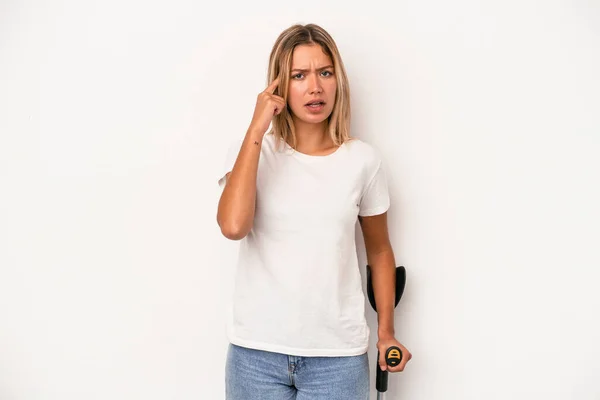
{"x": 315, "y": 119}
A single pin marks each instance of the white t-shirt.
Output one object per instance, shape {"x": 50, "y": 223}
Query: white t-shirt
{"x": 298, "y": 287}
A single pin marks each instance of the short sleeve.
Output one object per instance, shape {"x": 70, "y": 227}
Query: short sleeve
{"x": 375, "y": 199}
{"x": 229, "y": 161}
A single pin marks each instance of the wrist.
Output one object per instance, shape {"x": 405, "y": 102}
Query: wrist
{"x": 385, "y": 333}
{"x": 255, "y": 134}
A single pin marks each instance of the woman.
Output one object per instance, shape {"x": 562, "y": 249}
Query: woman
{"x": 292, "y": 195}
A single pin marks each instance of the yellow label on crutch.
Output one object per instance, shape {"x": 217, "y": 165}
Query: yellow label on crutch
{"x": 393, "y": 356}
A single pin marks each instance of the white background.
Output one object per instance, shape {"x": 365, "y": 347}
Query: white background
{"x": 115, "y": 117}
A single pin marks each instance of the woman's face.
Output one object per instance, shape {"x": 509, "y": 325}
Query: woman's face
{"x": 312, "y": 85}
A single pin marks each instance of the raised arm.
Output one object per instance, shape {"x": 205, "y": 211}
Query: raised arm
{"x": 235, "y": 214}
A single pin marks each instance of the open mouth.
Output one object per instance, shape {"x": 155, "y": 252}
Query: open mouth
{"x": 315, "y": 104}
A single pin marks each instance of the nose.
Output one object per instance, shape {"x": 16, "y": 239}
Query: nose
{"x": 314, "y": 85}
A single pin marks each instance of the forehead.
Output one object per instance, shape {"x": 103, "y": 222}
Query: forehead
{"x": 309, "y": 55}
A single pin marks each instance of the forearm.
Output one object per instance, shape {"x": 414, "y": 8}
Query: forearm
{"x": 235, "y": 213}
{"x": 383, "y": 276}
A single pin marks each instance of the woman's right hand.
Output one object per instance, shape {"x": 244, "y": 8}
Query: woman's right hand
{"x": 268, "y": 105}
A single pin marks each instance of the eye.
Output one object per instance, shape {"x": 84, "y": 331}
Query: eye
{"x": 326, "y": 73}
{"x": 297, "y": 76}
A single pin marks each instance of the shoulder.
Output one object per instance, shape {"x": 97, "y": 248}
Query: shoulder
{"x": 364, "y": 151}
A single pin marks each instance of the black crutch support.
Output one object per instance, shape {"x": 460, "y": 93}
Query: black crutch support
{"x": 393, "y": 355}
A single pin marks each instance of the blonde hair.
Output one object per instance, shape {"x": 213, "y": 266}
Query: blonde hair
{"x": 280, "y": 64}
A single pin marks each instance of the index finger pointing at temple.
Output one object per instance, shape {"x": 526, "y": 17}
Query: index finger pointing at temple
{"x": 272, "y": 86}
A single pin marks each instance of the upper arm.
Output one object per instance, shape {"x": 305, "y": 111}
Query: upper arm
{"x": 375, "y": 233}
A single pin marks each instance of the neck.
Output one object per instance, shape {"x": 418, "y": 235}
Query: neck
{"x": 312, "y": 138}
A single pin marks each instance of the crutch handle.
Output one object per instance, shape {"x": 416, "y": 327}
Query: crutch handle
{"x": 393, "y": 356}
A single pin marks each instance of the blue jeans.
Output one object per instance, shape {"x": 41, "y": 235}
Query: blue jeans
{"x": 252, "y": 374}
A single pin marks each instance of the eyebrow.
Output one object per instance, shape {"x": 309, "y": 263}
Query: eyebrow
{"x": 318, "y": 69}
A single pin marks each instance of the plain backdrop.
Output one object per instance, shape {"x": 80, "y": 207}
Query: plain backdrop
{"x": 115, "y": 118}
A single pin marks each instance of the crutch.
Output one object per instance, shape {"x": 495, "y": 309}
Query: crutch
{"x": 393, "y": 355}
